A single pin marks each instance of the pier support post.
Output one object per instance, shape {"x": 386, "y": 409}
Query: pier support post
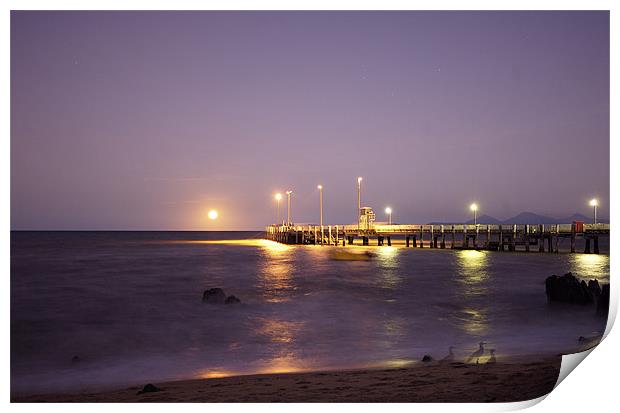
{"x": 453, "y": 237}
{"x": 415, "y": 242}
{"x": 407, "y": 239}
{"x": 389, "y": 241}
{"x": 526, "y": 235}
{"x": 350, "y": 240}
{"x": 433, "y": 243}
{"x": 587, "y": 250}
{"x": 556, "y": 248}
{"x": 421, "y": 236}
{"x": 379, "y": 241}
{"x": 364, "y": 240}
{"x": 596, "y": 250}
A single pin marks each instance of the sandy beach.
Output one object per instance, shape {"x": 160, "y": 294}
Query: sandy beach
{"x": 506, "y": 381}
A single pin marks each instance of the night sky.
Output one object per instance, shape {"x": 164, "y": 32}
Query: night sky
{"x": 146, "y": 120}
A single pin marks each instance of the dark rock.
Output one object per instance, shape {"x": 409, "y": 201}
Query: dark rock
{"x": 594, "y": 287}
{"x": 214, "y": 296}
{"x": 231, "y": 299}
{"x": 427, "y": 358}
{"x": 602, "y": 305}
{"x": 75, "y": 359}
{"x": 149, "y": 388}
{"x": 568, "y": 289}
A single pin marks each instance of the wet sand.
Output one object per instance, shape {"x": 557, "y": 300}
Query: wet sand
{"x": 506, "y": 381}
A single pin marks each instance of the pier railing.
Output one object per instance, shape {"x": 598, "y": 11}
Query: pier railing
{"x": 465, "y": 236}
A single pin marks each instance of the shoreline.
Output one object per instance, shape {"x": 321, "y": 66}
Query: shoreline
{"x": 508, "y": 380}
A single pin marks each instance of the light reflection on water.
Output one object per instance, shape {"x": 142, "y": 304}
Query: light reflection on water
{"x": 473, "y": 278}
{"x": 275, "y": 278}
{"x": 590, "y": 266}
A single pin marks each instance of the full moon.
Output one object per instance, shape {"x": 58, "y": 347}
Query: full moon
{"x": 213, "y": 214}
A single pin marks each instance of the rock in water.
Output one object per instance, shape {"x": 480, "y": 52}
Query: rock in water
{"x": 568, "y": 289}
{"x": 602, "y": 305}
{"x": 594, "y": 287}
{"x": 149, "y": 388}
{"x": 214, "y": 296}
{"x": 231, "y": 299}
{"x": 427, "y": 358}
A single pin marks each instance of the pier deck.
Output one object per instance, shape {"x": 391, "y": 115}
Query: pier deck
{"x": 536, "y": 237}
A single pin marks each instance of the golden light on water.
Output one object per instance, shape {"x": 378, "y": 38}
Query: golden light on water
{"x": 212, "y": 214}
{"x": 472, "y": 276}
{"x": 590, "y": 266}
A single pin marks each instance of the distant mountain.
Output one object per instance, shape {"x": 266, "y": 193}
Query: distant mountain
{"x": 531, "y": 218}
{"x": 485, "y": 219}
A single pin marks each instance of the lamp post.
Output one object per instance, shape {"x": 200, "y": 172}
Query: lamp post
{"x": 320, "y": 187}
{"x": 474, "y": 208}
{"x": 278, "y": 198}
{"x": 359, "y": 201}
{"x": 288, "y": 209}
{"x": 594, "y": 204}
{"x": 388, "y": 211}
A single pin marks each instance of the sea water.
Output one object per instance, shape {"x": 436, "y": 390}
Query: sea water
{"x": 96, "y": 310}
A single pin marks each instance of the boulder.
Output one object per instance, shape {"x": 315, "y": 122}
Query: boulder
{"x": 594, "y": 287}
{"x": 231, "y": 299}
{"x": 214, "y": 296}
{"x": 149, "y": 388}
{"x": 568, "y": 289}
{"x": 602, "y": 305}
{"x": 427, "y": 358}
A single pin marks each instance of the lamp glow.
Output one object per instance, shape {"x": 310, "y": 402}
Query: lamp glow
{"x": 593, "y": 202}
{"x": 473, "y": 207}
{"x": 212, "y": 214}
{"x": 278, "y": 196}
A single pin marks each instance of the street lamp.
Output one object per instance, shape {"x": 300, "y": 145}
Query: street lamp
{"x": 474, "y": 208}
{"x": 288, "y": 209}
{"x": 278, "y": 198}
{"x": 594, "y": 203}
{"x": 388, "y": 211}
{"x": 359, "y": 200}
{"x": 320, "y": 187}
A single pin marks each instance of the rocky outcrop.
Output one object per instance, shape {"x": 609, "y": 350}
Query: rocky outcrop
{"x": 217, "y": 296}
{"x": 427, "y": 358}
{"x": 214, "y": 296}
{"x": 602, "y": 305}
{"x": 149, "y": 388}
{"x": 568, "y": 289}
{"x": 231, "y": 299}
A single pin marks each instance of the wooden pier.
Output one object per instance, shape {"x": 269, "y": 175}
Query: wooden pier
{"x": 538, "y": 237}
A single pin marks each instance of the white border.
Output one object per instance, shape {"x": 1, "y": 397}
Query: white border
{"x": 591, "y": 387}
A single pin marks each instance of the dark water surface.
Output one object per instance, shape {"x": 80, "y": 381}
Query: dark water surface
{"x": 128, "y": 304}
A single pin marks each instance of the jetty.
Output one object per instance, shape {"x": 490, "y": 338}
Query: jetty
{"x": 515, "y": 237}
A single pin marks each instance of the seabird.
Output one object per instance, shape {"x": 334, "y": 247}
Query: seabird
{"x": 477, "y": 354}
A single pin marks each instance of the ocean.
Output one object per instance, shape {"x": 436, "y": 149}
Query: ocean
{"x": 99, "y": 310}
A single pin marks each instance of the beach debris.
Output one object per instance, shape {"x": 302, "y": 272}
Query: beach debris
{"x": 492, "y": 359}
{"x": 569, "y": 289}
{"x": 427, "y": 358}
{"x": 231, "y": 299}
{"x": 477, "y": 354}
{"x": 149, "y": 388}
{"x": 75, "y": 359}
{"x": 214, "y": 296}
{"x": 450, "y": 357}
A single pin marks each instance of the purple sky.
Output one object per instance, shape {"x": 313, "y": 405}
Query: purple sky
{"x": 145, "y": 120}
